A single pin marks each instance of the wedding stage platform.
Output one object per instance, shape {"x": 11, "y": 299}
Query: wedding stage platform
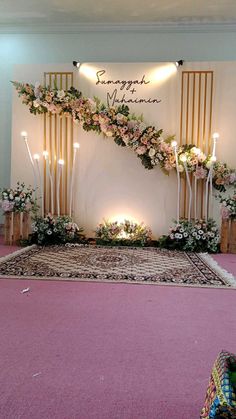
{"x": 147, "y": 265}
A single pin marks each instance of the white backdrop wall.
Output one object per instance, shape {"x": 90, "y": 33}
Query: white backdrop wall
{"x": 111, "y": 182}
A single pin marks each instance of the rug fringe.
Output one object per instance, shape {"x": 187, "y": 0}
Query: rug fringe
{"x": 228, "y": 277}
{"x": 16, "y": 253}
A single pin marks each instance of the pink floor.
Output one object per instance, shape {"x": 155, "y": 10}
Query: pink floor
{"x": 103, "y": 351}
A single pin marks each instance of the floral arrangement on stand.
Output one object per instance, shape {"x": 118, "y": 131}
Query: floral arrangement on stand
{"x": 20, "y": 199}
{"x": 55, "y": 230}
{"x": 193, "y": 236}
{"x": 228, "y": 206}
{"x": 126, "y": 233}
{"x": 127, "y": 130}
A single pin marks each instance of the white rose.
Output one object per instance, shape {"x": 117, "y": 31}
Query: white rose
{"x": 152, "y": 152}
{"x": 180, "y": 168}
{"x": 36, "y": 103}
{"x": 60, "y": 94}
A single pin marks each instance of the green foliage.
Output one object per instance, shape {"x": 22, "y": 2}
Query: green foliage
{"x": 119, "y": 141}
{"x": 55, "y": 230}
{"x": 194, "y": 236}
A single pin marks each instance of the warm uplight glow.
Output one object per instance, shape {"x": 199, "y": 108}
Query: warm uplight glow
{"x": 163, "y": 73}
{"x": 45, "y": 154}
{"x": 174, "y": 143}
{"x": 24, "y": 134}
{"x": 123, "y": 235}
{"x": 88, "y": 71}
{"x": 120, "y": 218}
{"x": 215, "y": 136}
{"x": 61, "y": 162}
{"x": 36, "y": 156}
{"x": 76, "y": 145}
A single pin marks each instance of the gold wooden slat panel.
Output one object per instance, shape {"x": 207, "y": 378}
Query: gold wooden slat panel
{"x": 195, "y": 126}
{"x": 58, "y": 141}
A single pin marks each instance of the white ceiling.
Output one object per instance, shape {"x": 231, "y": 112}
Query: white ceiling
{"x": 66, "y": 12}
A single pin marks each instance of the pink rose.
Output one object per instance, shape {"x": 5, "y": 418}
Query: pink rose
{"x": 141, "y": 150}
{"x": 225, "y": 213}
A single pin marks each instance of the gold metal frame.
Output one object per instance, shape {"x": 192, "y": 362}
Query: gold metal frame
{"x": 196, "y": 123}
{"x": 58, "y": 141}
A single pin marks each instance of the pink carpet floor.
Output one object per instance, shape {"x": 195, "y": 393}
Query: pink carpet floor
{"x": 103, "y": 351}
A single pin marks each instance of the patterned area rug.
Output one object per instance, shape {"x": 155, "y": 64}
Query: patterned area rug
{"x": 117, "y": 264}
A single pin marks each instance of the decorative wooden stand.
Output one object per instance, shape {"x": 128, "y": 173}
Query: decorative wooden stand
{"x": 16, "y": 227}
{"x": 228, "y": 235}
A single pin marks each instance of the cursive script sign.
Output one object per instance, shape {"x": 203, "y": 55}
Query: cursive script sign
{"x": 127, "y": 87}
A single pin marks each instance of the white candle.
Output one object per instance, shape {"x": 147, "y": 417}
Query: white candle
{"x": 48, "y": 174}
{"x": 24, "y": 135}
{"x": 60, "y": 164}
{"x": 36, "y": 159}
{"x": 184, "y": 159}
{"x": 174, "y": 145}
{"x": 76, "y": 147}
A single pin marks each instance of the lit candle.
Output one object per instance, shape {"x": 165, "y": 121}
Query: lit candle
{"x": 36, "y": 159}
{"x": 24, "y": 135}
{"x": 48, "y": 174}
{"x": 76, "y": 147}
{"x": 60, "y": 164}
{"x": 183, "y": 158}
{"x": 174, "y": 145}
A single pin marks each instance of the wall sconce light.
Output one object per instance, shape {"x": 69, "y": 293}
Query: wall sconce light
{"x": 76, "y": 64}
{"x": 179, "y": 63}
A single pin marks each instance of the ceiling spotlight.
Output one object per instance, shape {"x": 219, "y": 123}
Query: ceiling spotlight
{"x": 179, "y": 63}
{"x": 76, "y": 64}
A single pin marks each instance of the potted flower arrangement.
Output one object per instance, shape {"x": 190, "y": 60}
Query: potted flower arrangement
{"x": 228, "y": 225}
{"x": 13, "y": 202}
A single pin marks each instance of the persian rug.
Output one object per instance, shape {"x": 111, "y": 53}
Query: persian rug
{"x": 117, "y": 264}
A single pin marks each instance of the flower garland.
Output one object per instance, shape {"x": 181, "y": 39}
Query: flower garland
{"x": 127, "y": 130}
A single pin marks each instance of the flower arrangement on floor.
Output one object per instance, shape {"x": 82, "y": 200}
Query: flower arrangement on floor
{"x": 126, "y": 129}
{"x": 19, "y": 199}
{"x": 55, "y": 230}
{"x": 228, "y": 206}
{"x": 193, "y": 236}
{"x": 126, "y": 233}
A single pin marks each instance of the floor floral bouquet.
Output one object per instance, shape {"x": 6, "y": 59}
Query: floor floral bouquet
{"x": 55, "y": 230}
{"x": 126, "y": 233}
{"x": 193, "y": 236}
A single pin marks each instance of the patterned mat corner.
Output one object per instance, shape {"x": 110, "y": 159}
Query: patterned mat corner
{"x": 116, "y": 264}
